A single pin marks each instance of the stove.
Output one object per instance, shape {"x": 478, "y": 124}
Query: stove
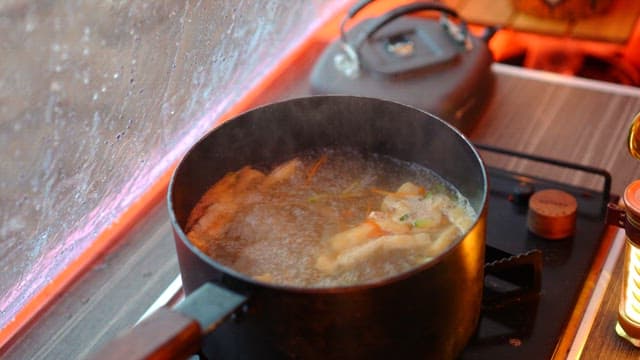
{"x": 532, "y": 284}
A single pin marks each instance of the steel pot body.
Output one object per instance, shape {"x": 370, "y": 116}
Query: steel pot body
{"x": 428, "y": 312}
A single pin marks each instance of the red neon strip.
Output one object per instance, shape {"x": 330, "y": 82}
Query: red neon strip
{"x": 100, "y": 246}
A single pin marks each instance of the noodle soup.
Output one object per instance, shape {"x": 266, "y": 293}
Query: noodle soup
{"x": 330, "y": 217}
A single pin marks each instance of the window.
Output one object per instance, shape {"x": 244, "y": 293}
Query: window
{"x": 98, "y": 100}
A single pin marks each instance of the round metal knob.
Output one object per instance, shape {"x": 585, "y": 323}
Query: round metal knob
{"x": 552, "y": 214}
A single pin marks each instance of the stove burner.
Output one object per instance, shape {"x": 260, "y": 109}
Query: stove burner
{"x": 510, "y": 278}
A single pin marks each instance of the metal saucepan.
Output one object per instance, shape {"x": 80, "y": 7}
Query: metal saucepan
{"x": 428, "y": 312}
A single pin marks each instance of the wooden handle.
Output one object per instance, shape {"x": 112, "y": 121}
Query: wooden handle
{"x": 166, "y": 334}
{"x": 175, "y": 333}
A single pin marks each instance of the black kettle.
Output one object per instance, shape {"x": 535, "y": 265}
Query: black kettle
{"x": 435, "y": 65}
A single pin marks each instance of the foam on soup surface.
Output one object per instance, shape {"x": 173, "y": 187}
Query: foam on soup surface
{"x": 332, "y": 217}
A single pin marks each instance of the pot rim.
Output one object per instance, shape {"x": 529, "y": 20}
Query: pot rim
{"x": 178, "y": 230}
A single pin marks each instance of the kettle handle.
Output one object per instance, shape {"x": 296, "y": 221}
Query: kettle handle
{"x": 389, "y": 16}
{"x": 350, "y": 63}
{"x": 175, "y": 333}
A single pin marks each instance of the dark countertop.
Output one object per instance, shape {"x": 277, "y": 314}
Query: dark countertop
{"x": 559, "y": 117}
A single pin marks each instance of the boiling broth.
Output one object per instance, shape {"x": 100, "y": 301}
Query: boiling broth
{"x": 331, "y": 217}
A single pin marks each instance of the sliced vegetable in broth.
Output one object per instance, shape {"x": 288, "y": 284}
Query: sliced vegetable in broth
{"x": 332, "y": 217}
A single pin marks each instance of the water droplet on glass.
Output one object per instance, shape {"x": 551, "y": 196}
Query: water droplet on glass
{"x": 55, "y": 86}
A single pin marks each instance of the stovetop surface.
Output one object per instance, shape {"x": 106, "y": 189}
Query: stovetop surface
{"x": 528, "y": 325}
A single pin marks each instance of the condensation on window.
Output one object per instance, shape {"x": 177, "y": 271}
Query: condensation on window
{"x": 99, "y": 98}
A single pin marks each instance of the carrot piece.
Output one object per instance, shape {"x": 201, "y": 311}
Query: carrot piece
{"x": 383, "y": 192}
{"x": 314, "y": 169}
{"x": 377, "y": 231}
{"x": 347, "y": 213}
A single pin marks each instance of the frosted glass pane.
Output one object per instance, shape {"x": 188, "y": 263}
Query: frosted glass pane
{"x": 99, "y": 98}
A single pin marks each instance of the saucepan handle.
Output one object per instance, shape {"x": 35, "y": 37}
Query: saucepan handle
{"x": 175, "y": 333}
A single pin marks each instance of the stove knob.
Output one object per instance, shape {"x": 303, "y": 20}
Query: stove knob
{"x": 521, "y": 193}
{"x": 552, "y": 214}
